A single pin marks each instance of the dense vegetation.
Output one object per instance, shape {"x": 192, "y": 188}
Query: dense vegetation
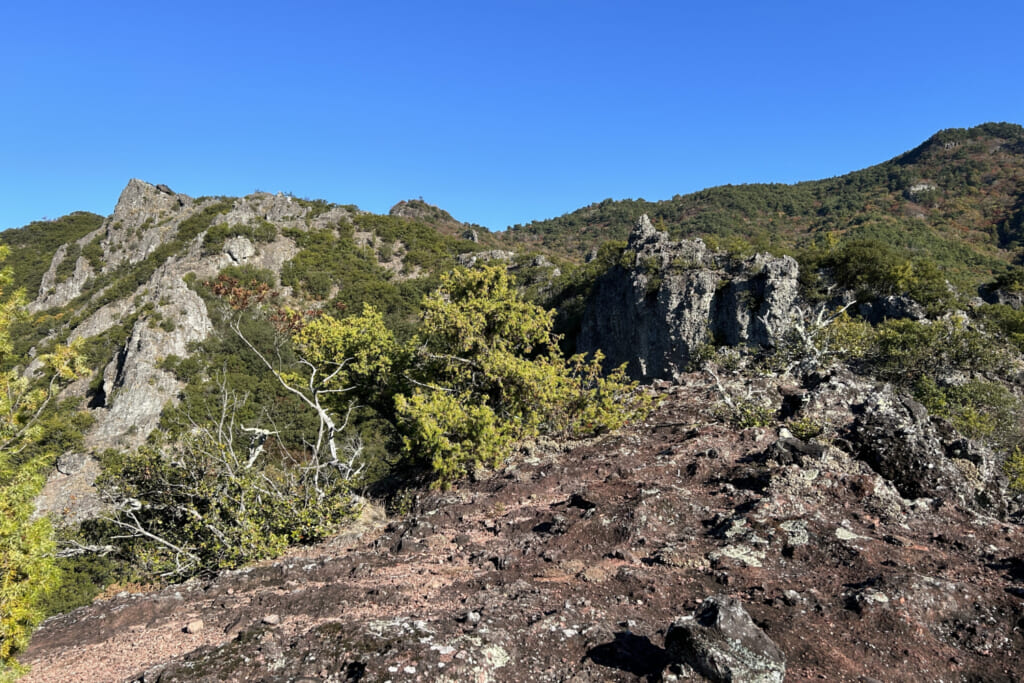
{"x": 483, "y": 371}
{"x": 33, "y": 246}
{"x": 227, "y": 485}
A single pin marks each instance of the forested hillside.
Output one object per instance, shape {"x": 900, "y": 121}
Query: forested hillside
{"x": 956, "y": 199}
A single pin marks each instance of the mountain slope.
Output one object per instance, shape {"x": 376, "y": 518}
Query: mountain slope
{"x": 159, "y": 290}
{"x": 957, "y": 198}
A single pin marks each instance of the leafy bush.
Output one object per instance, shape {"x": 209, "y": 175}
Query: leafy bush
{"x": 905, "y": 350}
{"x": 220, "y": 497}
{"x": 746, "y": 413}
{"x": 874, "y": 268}
{"x": 805, "y": 428}
{"x": 1014, "y": 468}
{"x": 979, "y": 409}
{"x": 482, "y": 372}
{"x": 33, "y": 246}
{"x": 27, "y": 569}
{"x": 1003, "y": 320}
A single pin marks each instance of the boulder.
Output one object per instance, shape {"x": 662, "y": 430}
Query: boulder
{"x": 894, "y": 435}
{"x": 721, "y": 642}
{"x": 892, "y": 308}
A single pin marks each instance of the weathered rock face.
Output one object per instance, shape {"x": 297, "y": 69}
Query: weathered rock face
{"x": 991, "y": 295}
{"x": 53, "y": 293}
{"x": 675, "y": 297}
{"x": 892, "y": 308}
{"x": 134, "y": 390}
{"x": 896, "y": 437}
{"x": 470, "y": 259}
{"x": 722, "y": 643}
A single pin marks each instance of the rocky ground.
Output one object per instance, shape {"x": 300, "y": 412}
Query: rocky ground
{"x": 573, "y": 563}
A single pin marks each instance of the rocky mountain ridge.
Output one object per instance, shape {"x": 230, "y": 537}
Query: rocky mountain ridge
{"x": 135, "y": 390}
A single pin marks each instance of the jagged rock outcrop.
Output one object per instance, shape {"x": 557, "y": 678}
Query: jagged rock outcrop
{"x": 170, "y": 317}
{"x": 470, "y": 259}
{"x": 284, "y": 211}
{"x": 994, "y": 295}
{"x": 892, "y": 308}
{"x": 672, "y": 298}
{"x": 54, "y": 292}
{"x": 896, "y": 437}
{"x": 135, "y": 390}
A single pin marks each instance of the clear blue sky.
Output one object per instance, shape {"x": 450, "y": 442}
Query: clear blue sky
{"x": 498, "y": 111}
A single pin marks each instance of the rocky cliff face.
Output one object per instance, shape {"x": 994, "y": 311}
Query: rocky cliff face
{"x": 670, "y": 298}
{"x": 170, "y": 316}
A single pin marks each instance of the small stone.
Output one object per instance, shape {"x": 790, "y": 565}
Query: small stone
{"x": 194, "y": 626}
{"x": 272, "y": 619}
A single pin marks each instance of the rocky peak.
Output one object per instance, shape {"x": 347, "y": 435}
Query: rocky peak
{"x": 419, "y": 210}
{"x": 140, "y": 201}
{"x": 675, "y": 296}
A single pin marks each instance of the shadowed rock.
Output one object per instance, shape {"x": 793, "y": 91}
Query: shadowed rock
{"x": 722, "y": 643}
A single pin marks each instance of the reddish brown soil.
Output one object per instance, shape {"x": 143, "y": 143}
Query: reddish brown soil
{"x": 570, "y": 564}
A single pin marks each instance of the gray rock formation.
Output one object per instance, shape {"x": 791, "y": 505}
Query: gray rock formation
{"x": 892, "y": 308}
{"x": 895, "y": 436}
{"x": 470, "y": 259}
{"x": 721, "y": 642}
{"x": 53, "y": 293}
{"x": 171, "y": 317}
{"x": 1014, "y": 300}
{"x": 675, "y": 297}
{"x": 135, "y": 390}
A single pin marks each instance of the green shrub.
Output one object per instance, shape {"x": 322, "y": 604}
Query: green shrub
{"x": 1014, "y": 468}
{"x": 805, "y": 428}
{"x": 27, "y": 446}
{"x": 482, "y": 372}
{"x": 212, "y": 502}
{"x": 746, "y": 413}
{"x": 905, "y": 350}
{"x": 82, "y": 578}
{"x": 979, "y": 409}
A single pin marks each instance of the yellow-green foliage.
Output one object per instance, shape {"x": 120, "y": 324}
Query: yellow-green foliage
{"x": 1014, "y": 468}
{"x": 844, "y": 338}
{"x": 27, "y": 568}
{"x": 483, "y": 371}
